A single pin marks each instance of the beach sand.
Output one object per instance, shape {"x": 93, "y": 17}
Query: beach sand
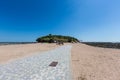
{"x": 11, "y": 52}
{"x": 37, "y": 67}
{"x": 93, "y": 63}
{"x": 87, "y": 62}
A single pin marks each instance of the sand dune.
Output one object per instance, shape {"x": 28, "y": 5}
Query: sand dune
{"x": 91, "y": 63}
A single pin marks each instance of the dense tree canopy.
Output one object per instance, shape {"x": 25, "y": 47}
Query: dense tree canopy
{"x": 56, "y": 38}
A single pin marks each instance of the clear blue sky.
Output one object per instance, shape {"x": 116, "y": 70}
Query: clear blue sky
{"x": 87, "y": 20}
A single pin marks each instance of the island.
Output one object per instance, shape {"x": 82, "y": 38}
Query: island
{"x": 57, "y": 38}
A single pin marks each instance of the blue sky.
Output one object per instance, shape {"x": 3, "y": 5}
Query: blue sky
{"x": 87, "y": 20}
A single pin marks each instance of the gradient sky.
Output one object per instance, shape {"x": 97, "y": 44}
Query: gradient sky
{"x": 87, "y": 20}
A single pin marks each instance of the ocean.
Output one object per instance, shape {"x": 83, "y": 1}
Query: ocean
{"x": 13, "y": 43}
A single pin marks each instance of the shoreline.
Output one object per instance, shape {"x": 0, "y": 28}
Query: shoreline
{"x": 15, "y": 43}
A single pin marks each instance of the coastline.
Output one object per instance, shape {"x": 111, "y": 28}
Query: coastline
{"x": 15, "y": 43}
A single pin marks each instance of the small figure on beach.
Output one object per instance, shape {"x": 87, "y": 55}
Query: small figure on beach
{"x": 59, "y": 43}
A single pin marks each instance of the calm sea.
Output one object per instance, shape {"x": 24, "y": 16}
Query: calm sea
{"x": 11, "y": 43}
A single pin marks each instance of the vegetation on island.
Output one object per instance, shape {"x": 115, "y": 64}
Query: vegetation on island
{"x": 57, "y": 38}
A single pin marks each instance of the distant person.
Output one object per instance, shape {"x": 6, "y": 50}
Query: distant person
{"x": 59, "y": 43}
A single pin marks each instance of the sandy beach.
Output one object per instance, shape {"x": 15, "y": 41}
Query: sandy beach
{"x": 40, "y": 66}
{"x": 11, "y": 52}
{"x": 87, "y": 62}
{"x": 93, "y": 63}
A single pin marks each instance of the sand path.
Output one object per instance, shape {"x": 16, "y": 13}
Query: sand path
{"x": 37, "y": 67}
{"x": 88, "y": 63}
